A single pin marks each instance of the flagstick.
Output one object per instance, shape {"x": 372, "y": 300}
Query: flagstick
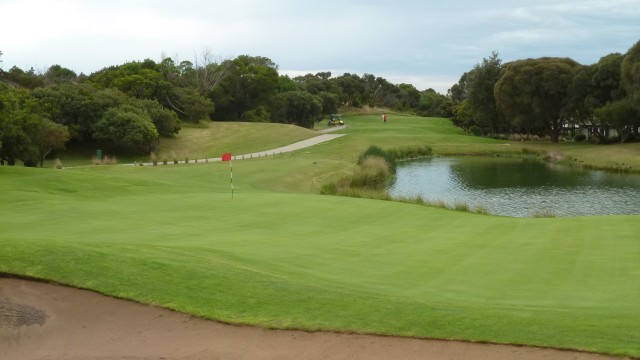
{"x": 231, "y": 172}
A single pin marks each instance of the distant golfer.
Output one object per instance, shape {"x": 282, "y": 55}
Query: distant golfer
{"x": 384, "y": 118}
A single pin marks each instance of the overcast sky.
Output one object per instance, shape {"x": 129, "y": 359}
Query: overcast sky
{"x": 429, "y": 44}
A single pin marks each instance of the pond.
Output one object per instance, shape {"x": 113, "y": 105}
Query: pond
{"x": 518, "y": 187}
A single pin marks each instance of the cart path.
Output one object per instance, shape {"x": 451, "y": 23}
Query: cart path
{"x": 41, "y": 321}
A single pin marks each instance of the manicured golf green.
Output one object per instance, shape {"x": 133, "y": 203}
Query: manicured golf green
{"x": 280, "y": 255}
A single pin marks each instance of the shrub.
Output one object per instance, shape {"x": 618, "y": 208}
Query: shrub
{"x": 410, "y": 152}
{"x": 437, "y": 203}
{"x": 461, "y": 207}
{"x": 57, "y": 164}
{"x": 481, "y": 210}
{"x": 373, "y": 173}
{"x": 546, "y": 213}
{"x": 109, "y": 160}
{"x": 329, "y": 188}
{"x": 580, "y": 137}
{"x": 475, "y": 130}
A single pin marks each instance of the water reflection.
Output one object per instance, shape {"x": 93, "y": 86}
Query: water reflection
{"x": 516, "y": 187}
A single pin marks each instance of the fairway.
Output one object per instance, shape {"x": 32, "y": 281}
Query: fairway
{"x": 280, "y": 255}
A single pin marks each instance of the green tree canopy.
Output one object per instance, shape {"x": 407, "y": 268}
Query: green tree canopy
{"x": 479, "y": 91}
{"x": 534, "y": 94}
{"x": 129, "y": 127}
{"x": 630, "y": 69}
{"x": 302, "y": 108}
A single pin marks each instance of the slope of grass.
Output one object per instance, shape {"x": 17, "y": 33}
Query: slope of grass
{"x": 205, "y": 140}
{"x": 238, "y": 138}
{"x": 279, "y": 256}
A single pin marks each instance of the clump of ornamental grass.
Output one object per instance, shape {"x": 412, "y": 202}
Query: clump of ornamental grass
{"x": 438, "y": 203}
{"x": 479, "y": 209}
{"x": 410, "y": 152}
{"x": 373, "y": 173}
{"x": 368, "y": 179}
{"x": 109, "y": 160}
{"x": 460, "y": 206}
{"x": 57, "y": 164}
{"x": 173, "y": 156}
{"x": 546, "y": 213}
{"x": 153, "y": 158}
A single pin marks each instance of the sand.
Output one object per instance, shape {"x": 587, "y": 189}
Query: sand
{"x": 53, "y": 322}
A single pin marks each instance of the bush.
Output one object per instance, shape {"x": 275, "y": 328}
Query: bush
{"x": 376, "y": 151}
{"x": 481, "y": 210}
{"x": 57, "y": 164}
{"x": 373, "y": 173}
{"x": 410, "y": 152}
{"x": 580, "y": 137}
{"x": 475, "y": 130}
{"x": 461, "y": 207}
{"x": 545, "y": 213}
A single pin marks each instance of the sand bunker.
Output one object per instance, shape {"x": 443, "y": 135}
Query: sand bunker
{"x": 46, "y": 321}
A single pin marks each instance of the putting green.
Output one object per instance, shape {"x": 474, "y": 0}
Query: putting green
{"x": 173, "y": 236}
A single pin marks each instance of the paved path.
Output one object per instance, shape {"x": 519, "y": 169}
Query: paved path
{"x": 289, "y": 148}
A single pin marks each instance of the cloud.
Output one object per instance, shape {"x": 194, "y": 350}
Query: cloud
{"x": 424, "y": 39}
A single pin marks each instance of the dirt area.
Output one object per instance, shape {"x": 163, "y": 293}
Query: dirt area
{"x": 46, "y": 321}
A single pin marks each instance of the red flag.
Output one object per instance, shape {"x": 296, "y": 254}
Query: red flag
{"x": 226, "y": 157}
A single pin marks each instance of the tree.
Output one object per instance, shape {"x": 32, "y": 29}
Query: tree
{"x": 434, "y": 104}
{"x": 591, "y": 88}
{"x": 314, "y": 84}
{"x": 330, "y": 102}
{"x": 302, "y": 108}
{"x": 166, "y": 121}
{"x": 458, "y": 92}
{"x": 533, "y": 94}
{"x": 46, "y": 135}
{"x": 27, "y": 79}
{"x": 129, "y": 127}
{"x": 408, "y": 98}
{"x": 630, "y": 76}
{"x": 250, "y": 82}
{"x": 15, "y": 105}
{"x": 623, "y": 115}
{"x": 479, "y": 86}
{"x": 56, "y": 74}
{"x": 350, "y": 89}
{"x": 190, "y": 105}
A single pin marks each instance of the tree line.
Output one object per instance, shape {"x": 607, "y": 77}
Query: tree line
{"x": 548, "y": 96}
{"x": 132, "y": 105}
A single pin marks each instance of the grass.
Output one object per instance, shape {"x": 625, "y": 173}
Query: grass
{"x": 198, "y": 141}
{"x": 280, "y": 256}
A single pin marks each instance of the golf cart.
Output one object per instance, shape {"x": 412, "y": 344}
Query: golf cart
{"x": 335, "y": 119}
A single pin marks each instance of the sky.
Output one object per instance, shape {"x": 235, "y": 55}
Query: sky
{"x": 428, "y": 44}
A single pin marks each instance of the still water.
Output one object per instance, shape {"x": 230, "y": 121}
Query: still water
{"x": 517, "y": 187}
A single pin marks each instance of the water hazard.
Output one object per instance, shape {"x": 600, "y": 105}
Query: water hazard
{"x": 518, "y": 187}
